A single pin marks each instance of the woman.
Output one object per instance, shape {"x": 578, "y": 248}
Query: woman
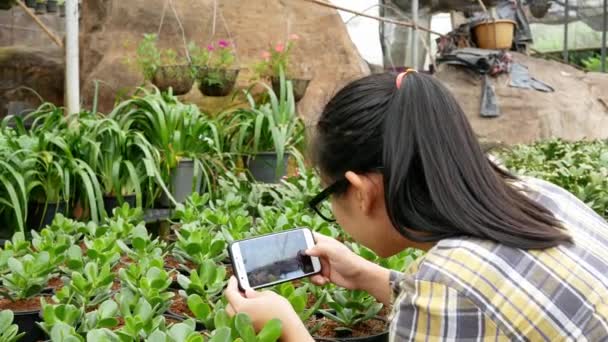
{"x": 507, "y": 259}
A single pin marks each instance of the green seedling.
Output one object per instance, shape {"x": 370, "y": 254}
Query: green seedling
{"x": 139, "y": 316}
{"x": 54, "y": 314}
{"x": 103, "y": 249}
{"x": 28, "y": 275}
{"x": 196, "y": 244}
{"x": 9, "y": 332}
{"x": 298, "y": 298}
{"x": 56, "y": 243}
{"x": 179, "y": 332}
{"x": 208, "y": 281}
{"x": 142, "y": 245}
{"x": 240, "y": 328}
{"x": 67, "y": 226}
{"x": 17, "y": 247}
{"x": 351, "y": 308}
{"x": 151, "y": 283}
{"x": 89, "y": 288}
{"x": 128, "y": 214}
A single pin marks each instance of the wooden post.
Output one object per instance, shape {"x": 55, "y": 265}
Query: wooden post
{"x": 41, "y": 24}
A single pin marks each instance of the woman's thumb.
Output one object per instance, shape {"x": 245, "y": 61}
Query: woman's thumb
{"x": 251, "y": 293}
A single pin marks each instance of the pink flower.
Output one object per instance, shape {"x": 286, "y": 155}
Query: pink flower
{"x": 266, "y": 55}
{"x": 294, "y": 36}
{"x": 279, "y": 47}
{"x": 210, "y": 47}
{"x": 223, "y": 44}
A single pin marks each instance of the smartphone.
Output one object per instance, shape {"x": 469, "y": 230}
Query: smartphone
{"x": 275, "y": 258}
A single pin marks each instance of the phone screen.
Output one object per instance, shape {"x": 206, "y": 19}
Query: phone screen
{"x": 276, "y": 258}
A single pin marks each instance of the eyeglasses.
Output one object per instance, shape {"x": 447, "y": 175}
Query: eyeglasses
{"x": 338, "y": 186}
{"x": 315, "y": 203}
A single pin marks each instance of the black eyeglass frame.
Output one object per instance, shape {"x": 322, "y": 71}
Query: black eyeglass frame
{"x": 323, "y": 195}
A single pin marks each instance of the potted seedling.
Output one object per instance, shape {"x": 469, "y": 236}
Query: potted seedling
{"x": 267, "y": 133}
{"x": 40, "y": 7}
{"x": 151, "y": 283}
{"x": 122, "y": 159}
{"x": 51, "y": 6}
{"x": 352, "y": 313}
{"x": 240, "y": 328}
{"x": 9, "y": 332}
{"x": 275, "y": 59}
{"x": 80, "y": 321}
{"x": 23, "y": 285}
{"x": 163, "y": 67}
{"x": 218, "y": 77}
{"x": 140, "y": 317}
{"x": 203, "y": 286}
{"x": 187, "y": 139}
{"x": 89, "y": 288}
{"x": 196, "y": 244}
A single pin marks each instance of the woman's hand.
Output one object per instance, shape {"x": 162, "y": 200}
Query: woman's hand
{"x": 264, "y": 306}
{"x": 339, "y": 265}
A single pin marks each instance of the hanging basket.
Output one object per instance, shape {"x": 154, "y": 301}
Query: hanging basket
{"x": 299, "y": 87}
{"x": 539, "y": 8}
{"x": 177, "y": 77}
{"x": 217, "y": 82}
{"x": 495, "y": 34}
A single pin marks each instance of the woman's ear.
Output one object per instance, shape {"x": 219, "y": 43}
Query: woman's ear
{"x": 363, "y": 190}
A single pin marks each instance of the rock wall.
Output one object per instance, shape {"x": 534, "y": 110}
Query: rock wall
{"x": 111, "y": 30}
{"x": 577, "y": 109}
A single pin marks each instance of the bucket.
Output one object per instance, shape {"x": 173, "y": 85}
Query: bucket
{"x": 494, "y": 35}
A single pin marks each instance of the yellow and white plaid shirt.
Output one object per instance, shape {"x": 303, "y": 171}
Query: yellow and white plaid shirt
{"x": 468, "y": 289}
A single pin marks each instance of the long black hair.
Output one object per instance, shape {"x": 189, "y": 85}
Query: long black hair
{"x": 438, "y": 183}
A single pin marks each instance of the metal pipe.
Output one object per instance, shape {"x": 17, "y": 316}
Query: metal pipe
{"x": 604, "y": 29}
{"x": 414, "y": 36}
{"x": 72, "y": 80}
{"x": 566, "y": 19}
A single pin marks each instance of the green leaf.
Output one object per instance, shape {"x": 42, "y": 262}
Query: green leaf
{"x": 221, "y": 319}
{"x": 244, "y": 326}
{"x": 223, "y": 334}
{"x": 271, "y": 331}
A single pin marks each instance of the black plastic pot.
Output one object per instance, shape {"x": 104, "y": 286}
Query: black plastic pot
{"x": 111, "y": 202}
{"x": 26, "y": 321}
{"x": 226, "y": 78}
{"x": 36, "y": 216}
{"x": 381, "y": 337}
{"x": 30, "y": 3}
{"x": 299, "y": 87}
{"x": 51, "y": 6}
{"x": 61, "y": 10}
{"x": 182, "y": 183}
{"x": 263, "y": 167}
{"x": 6, "y": 4}
{"x": 177, "y": 77}
{"x": 40, "y": 8}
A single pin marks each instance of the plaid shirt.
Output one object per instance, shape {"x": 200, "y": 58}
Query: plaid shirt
{"x": 468, "y": 289}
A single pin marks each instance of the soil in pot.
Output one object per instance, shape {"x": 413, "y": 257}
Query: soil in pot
{"x": 27, "y": 313}
{"x": 172, "y": 262}
{"x": 179, "y": 306}
{"x": 40, "y": 8}
{"x": 216, "y": 82}
{"x": 111, "y": 202}
{"x": 55, "y": 283}
{"x": 177, "y": 77}
{"x": 37, "y": 218}
{"x": 51, "y": 6}
{"x": 299, "y": 87}
{"x": 373, "y": 330}
{"x": 182, "y": 181}
{"x": 263, "y": 167}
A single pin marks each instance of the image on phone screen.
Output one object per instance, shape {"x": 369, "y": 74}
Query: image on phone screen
{"x": 275, "y": 258}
